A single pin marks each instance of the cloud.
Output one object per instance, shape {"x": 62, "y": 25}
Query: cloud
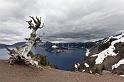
{"x": 12, "y": 19}
{"x": 82, "y": 15}
{"x": 61, "y": 17}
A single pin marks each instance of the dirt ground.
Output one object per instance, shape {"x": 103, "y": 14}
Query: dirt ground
{"x": 22, "y": 73}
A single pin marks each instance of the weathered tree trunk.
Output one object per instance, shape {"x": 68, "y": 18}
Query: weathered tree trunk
{"x": 21, "y": 54}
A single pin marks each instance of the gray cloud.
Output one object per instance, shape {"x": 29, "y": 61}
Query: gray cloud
{"x": 12, "y": 19}
{"x": 86, "y": 19}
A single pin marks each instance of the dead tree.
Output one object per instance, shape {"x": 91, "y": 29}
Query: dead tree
{"x": 22, "y": 53}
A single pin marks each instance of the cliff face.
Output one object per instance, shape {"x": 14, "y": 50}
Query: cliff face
{"x": 107, "y": 54}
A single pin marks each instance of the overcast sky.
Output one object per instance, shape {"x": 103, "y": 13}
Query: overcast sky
{"x": 83, "y": 19}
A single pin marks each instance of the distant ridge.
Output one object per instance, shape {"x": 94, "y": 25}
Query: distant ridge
{"x": 13, "y": 45}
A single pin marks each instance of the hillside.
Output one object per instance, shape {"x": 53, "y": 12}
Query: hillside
{"x": 107, "y": 54}
{"x": 13, "y": 45}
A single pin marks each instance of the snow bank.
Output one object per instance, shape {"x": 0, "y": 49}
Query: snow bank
{"x": 118, "y": 64}
{"x": 86, "y": 65}
{"x": 54, "y": 46}
{"x": 87, "y": 52}
{"x": 122, "y": 75}
{"x": 109, "y": 51}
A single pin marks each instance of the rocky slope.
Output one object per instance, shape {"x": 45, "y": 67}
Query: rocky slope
{"x": 107, "y": 54}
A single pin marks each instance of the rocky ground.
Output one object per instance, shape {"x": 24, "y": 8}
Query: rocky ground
{"x": 22, "y": 73}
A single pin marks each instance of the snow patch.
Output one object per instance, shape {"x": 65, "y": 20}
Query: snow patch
{"x": 109, "y": 51}
{"x": 75, "y": 65}
{"x": 119, "y": 36}
{"x": 118, "y": 64}
{"x": 108, "y": 39}
{"x": 54, "y": 46}
{"x": 122, "y": 75}
{"x": 91, "y": 72}
{"x": 86, "y": 65}
{"x": 87, "y": 52}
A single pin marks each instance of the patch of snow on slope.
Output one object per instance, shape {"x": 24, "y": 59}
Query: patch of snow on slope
{"x": 118, "y": 64}
{"x": 54, "y": 46}
{"x": 109, "y": 51}
{"x": 108, "y": 39}
{"x": 119, "y": 36}
{"x": 122, "y": 75}
{"x": 87, "y": 52}
{"x": 86, "y": 65}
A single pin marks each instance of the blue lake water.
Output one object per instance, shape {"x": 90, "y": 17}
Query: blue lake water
{"x": 63, "y": 60}
{"x": 4, "y": 54}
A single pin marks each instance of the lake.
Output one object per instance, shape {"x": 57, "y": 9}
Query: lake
{"x": 64, "y": 60}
